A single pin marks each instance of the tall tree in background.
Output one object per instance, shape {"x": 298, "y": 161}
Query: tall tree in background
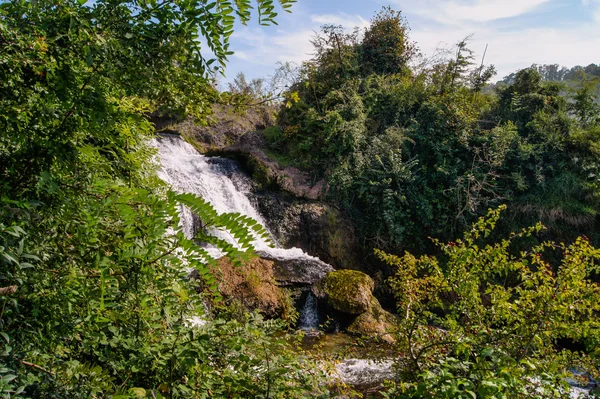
{"x": 386, "y": 48}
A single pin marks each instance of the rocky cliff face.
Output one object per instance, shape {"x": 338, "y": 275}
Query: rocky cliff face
{"x": 293, "y": 206}
{"x": 316, "y": 227}
{"x": 225, "y": 126}
{"x": 251, "y": 151}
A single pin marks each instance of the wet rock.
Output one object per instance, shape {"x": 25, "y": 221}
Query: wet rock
{"x": 318, "y": 228}
{"x": 301, "y": 271}
{"x": 347, "y": 291}
{"x": 376, "y": 322}
{"x": 296, "y": 274}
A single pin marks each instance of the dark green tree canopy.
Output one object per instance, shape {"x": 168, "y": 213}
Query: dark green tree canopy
{"x": 386, "y": 47}
{"x": 95, "y": 297}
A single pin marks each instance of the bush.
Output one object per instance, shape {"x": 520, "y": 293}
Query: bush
{"x": 482, "y": 321}
{"x": 95, "y": 298}
{"x": 274, "y": 136}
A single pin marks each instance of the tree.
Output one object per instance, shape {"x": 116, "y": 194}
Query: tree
{"x": 91, "y": 250}
{"x": 240, "y": 86}
{"x": 457, "y": 67}
{"x": 585, "y": 106}
{"x": 386, "y": 48}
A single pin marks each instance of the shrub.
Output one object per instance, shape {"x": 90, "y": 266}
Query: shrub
{"x": 481, "y": 321}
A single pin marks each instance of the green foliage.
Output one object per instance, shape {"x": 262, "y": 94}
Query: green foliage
{"x": 480, "y": 321}
{"x": 584, "y": 106}
{"x": 385, "y": 47}
{"x": 95, "y": 295}
{"x": 274, "y": 136}
{"x": 114, "y": 303}
{"x": 419, "y": 151}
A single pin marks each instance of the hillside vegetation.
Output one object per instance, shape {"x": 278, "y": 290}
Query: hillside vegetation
{"x": 416, "y": 148}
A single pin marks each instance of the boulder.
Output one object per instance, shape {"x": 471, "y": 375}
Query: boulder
{"x": 253, "y": 285}
{"x": 349, "y": 294}
{"x": 347, "y": 291}
{"x": 301, "y": 271}
{"x": 376, "y": 322}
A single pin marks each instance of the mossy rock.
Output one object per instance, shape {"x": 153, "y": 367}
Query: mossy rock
{"x": 253, "y": 286}
{"x": 347, "y": 291}
{"x": 376, "y": 323}
{"x": 261, "y": 173}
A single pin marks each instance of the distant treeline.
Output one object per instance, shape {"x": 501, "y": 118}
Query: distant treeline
{"x": 557, "y": 73}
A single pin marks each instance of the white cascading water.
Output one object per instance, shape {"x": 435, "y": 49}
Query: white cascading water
{"x": 309, "y": 315}
{"x": 220, "y": 182}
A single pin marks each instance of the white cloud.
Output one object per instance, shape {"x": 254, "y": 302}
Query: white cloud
{"x": 255, "y": 46}
{"x": 595, "y": 5}
{"x": 458, "y": 11}
{"x": 510, "y": 51}
{"x": 267, "y": 47}
{"x": 563, "y": 42}
{"x": 343, "y": 19}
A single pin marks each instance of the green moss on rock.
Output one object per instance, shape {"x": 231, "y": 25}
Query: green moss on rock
{"x": 347, "y": 291}
{"x": 261, "y": 173}
{"x": 376, "y": 323}
{"x": 351, "y": 292}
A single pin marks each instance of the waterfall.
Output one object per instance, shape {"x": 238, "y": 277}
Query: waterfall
{"x": 220, "y": 182}
{"x": 309, "y": 315}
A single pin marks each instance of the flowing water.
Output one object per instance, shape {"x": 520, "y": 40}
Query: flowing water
{"x": 309, "y": 315}
{"x": 220, "y": 182}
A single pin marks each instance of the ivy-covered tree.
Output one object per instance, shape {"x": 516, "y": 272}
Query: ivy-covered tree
{"x": 386, "y": 48}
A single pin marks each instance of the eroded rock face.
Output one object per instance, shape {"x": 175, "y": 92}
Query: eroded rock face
{"x": 316, "y": 227}
{"x": 250, "y": 149}
{"x": 291, "y": 205}
{"x": 227, "y": 124}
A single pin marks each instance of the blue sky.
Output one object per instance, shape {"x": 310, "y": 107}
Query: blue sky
{"x": 518, "y": 32}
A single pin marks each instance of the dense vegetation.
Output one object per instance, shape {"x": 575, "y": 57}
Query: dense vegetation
{"x": 415, "y": 147}
{"x": 95, "y": 300}
{"x": 478, "y": 322}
